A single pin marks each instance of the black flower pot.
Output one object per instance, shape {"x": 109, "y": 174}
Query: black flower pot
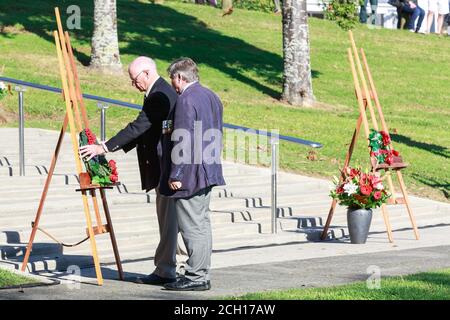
{"x": 358, "y": 221}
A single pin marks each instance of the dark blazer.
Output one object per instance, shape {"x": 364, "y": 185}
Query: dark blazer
{"x": 196, "y": 105}
{"x": 144, "y": 133}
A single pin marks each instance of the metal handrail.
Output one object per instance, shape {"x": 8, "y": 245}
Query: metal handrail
{"x": 308, "y": 143}
{"x": 58, "y": 90}
{"x": 103, "y": 105}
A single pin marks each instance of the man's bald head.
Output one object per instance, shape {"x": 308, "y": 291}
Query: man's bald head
{"x": 142, "y": 63}
{"x": 142, "y": 72}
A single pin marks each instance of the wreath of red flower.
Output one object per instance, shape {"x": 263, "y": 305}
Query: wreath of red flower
{"x": 379, "y": 142}
{"x": 101, "y": 171}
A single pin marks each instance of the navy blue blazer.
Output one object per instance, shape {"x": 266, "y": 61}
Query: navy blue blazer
{"x": 198, "y": 111}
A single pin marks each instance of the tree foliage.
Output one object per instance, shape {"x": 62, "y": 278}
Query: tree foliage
{"x": 344, "y": 12}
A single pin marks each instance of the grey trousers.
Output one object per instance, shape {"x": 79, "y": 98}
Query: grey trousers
{"x": 195, "y": 227}
{"x": 165, "y": 256}
{"x": 276, "y": 3}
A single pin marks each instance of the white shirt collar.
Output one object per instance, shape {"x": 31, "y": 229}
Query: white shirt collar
{"x": 187, "y": 86}
{"x": 151, "y": 86}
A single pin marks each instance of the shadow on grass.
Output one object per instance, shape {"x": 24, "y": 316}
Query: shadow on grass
{"x": 443, "y": 186}
{"x": 315, "y": 74}
{"x": 440, "y": 278}
{"x": 159, "y": 32}
{"x": 430, "y": 147}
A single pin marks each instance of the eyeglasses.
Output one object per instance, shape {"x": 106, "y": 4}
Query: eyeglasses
{"x": 133, "y": 81}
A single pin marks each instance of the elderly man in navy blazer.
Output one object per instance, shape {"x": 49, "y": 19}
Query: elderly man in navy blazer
{"x": 193, "y": 169}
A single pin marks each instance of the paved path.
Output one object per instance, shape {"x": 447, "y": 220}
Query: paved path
{"x": 259, "y": 277}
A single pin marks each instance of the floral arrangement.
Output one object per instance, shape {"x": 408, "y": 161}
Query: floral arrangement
{"x": 359, "y": 190}
{"x": 379, "y": 142}
{"x": 3, "y": 90}
{"x": 102, "y": 172}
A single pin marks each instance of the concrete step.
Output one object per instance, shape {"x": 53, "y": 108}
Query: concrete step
{"x": 260, "y": 189}
{"x": 298, "y": 216}
{"x": 127, "y": 240}
{"x": 64, "y": 197}
{"x": 71, "y": 233}
{"x": 36, "y": 166}
{"x": 124, "y": 205}
{"x": 34, "y": 181}
{"x": 232, "y": 210}
{"x": 82, "y": 259}
{"x": 122, "y": 221}
{"x": 220, "y": 203}
{"x": 129, "y": 168}
{"x": 422, "y": 216}
{"x": 35, "y": 178}
{"x": 58, "y": 196}
{"x": 46, "y": 151}
{"x": 71, "y": 202}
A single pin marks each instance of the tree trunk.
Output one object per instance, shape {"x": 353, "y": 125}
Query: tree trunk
{"x": 297, "y": 82}
{"x": 105, "y": 45}
{"x": 227, "y": 5}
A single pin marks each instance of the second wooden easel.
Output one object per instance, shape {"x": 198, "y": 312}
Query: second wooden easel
{"x": 74, "y": 105}
{"x": 365, "y": 94}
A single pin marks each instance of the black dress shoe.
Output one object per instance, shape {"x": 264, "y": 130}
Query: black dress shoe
{"x": 184, "y": 284}
{"x": 154, "y": 279}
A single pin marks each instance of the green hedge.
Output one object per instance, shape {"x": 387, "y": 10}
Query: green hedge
{"x": 256, "y": 5}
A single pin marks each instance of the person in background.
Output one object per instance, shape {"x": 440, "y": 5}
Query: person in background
{"x": 277, "y": 9}
{"x": 448, "y": 20}
{"x": 363, "y": 11}
{"x": 212, "y": 3}
{"x": 441, "y": 8}
{"x": 411, "y": 7}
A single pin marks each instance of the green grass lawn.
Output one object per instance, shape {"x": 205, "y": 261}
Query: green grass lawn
{"x": 240, "y": 57}
{"x": 428, "y": 285}
{"x": 8, "y": 279}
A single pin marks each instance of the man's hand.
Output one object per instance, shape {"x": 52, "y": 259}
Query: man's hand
{"x": 91, "y": 151}
{"x": 174, "y": 185}
{"x": 412, "y": 5}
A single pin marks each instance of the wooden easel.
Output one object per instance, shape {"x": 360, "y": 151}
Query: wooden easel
{"x": 74, "y": 104}
{"x": 365, "y": 95}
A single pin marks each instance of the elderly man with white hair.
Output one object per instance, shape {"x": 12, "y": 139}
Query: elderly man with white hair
{"x": 145, "y": 133}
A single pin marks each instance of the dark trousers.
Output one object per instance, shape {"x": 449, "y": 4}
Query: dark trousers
{"x": 211, "y": 2}
{"x": 415, "y": 13}
{"x": 363, "y": 11}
